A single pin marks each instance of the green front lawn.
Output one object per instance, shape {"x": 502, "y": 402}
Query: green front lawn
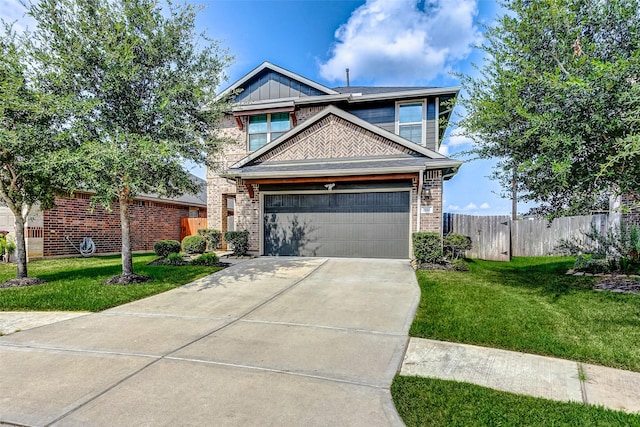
{"x": 75, "y": 284}
{"x": 530, "y": 305}
{"x": 432, "y": 402}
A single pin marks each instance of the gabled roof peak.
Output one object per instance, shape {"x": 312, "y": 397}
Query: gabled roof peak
{"x": 266, "y": 65}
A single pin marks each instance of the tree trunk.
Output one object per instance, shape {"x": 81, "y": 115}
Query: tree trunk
{"x": 21, "y": 247}
{"x": 127, "y": 260}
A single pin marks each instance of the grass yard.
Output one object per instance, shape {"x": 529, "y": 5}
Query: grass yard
{"x": 75, "y": 284}
{"x": 434, "y": 402}
{"x": 530, "y": 305}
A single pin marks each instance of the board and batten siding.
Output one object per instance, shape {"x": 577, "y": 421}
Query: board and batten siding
{"x": 273, "y": 85}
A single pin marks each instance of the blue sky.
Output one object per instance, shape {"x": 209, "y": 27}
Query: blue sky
{"x": 382, "y": 42}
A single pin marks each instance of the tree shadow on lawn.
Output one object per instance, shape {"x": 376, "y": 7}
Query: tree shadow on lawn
{"x": 549, "y": 278}
{"x": 103, "y": 272}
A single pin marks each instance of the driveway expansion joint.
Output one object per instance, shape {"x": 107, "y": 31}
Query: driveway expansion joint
{"x": 281, "y": 371}
{"x": 314, "y": 326}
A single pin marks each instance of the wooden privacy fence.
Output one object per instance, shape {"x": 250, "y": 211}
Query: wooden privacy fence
{"x": 190, "y": 226}
{"x": 499, "y": 238}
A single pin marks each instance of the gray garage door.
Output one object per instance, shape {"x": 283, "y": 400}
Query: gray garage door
{"x": 363, "y": 225}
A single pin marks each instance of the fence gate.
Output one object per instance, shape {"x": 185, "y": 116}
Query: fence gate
{"x": 490, "y": 235}
{"x": 190, "y": 226}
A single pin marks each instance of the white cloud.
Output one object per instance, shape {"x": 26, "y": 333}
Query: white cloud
{"x": 485, "y": 205}
{"x": 470, "y": 206}
{"x": 12, "y": 12}
{"x": 399, "y": 41}
{"x": 455, "y": 142}
{"x": 457, "y": 139}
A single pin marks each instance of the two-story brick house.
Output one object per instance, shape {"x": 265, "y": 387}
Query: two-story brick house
{"x": 317, "y": 171}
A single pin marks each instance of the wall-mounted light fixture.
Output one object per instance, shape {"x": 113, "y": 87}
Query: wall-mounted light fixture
{"x": 426, "y": 191}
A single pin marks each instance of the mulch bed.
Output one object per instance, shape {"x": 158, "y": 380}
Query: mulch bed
{"x": 127, "y": 279}
{"x": 618, "y": 284}
{"x": 26, "y": 281}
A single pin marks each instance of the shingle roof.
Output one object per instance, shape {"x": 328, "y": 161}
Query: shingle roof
{"x": 342, "y": 166}
{"x": 372, "y": 90}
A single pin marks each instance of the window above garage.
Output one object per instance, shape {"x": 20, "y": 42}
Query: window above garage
{"x": 264, "y": 128}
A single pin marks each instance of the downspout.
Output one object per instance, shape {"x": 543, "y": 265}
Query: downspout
{"x": 420, "y": 183}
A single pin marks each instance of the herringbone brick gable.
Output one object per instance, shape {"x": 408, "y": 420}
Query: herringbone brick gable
{"x": 333, "y": 137}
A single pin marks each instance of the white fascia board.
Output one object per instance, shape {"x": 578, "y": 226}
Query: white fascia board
{"x": 454, "y": 90}
{"x": 321, "y": 173}
{"x": 280, "y": 70}
{"x": 249, "y": 106}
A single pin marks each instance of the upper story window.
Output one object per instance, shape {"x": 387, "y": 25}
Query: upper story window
{"x": 411, "y": 120}
{"x": 264, "y": 128}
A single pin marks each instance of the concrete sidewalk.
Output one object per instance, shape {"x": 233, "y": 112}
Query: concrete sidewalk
{"x": 521, "y": 373}
{"x": 267, "y": 342}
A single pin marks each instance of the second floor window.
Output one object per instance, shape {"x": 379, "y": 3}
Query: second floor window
{"x": 410, "y": 119}
{"x": 264, "y": 128}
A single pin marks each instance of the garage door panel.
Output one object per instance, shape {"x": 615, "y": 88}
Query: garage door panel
{"x": 374, "y": 225}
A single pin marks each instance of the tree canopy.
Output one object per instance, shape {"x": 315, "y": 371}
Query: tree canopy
{"x": 30, "y": 135}
{"x": 557, "y": 102}
{"x": 143, "y": 87}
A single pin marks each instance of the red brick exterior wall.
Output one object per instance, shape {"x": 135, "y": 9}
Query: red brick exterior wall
{"x": 150, "y": 222}
{"x": 633, "y": 216}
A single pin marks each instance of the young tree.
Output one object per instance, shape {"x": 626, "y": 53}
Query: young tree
{"x": 144, "y": 83}
{"x": 28, "y": 141}
{"x": 557, "y": 101}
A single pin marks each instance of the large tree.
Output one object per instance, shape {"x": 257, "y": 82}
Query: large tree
{"x": 30, "y": 136}
{"x": 144, "y": 84}
{"x": 557, "y": 101}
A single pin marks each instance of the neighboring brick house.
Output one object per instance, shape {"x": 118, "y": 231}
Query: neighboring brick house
{"x": 315, "y": 171}
{"x": 54, "y": 232}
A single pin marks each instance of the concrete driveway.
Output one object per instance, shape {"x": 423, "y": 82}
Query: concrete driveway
{"x": 271, "y": 341}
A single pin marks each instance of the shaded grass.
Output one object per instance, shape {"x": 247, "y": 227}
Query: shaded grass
{"x": 434, "y": 402}
{"x": 75, "y": 284}
{"x": 530, "y": 305}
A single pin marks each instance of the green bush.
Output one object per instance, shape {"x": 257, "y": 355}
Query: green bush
{"x": 7, "y": 246}
{"x": 194, "y": 244}
{"x": 459, "y": 265}
{"x": 163, "y": 248}
{"x": 239, "y": 240}
{"x": 205, "y": 259}
{"x": 427, "y": 247}
{"x": 455, "y": 245}
{"x": 175, "y": 259}
{"x": 616, "y": 250}
{"x": 212, "y": 236}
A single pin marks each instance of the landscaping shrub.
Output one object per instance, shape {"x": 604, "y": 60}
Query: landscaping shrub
{"x": 455, "y": 245}
{"x": 7, "y": 246}
{"x": 427, "y": 247}
{"x": 175, "y": 259}
{"x": 163, "y": 248}
{"x": 239, "y": 240}
{"x": 194, "y": 244}
{"x": 205, "y": 259}
{"x": 459, "y": 265}
{"x": 617, "y": 249}
{"x": 212, "y": 236}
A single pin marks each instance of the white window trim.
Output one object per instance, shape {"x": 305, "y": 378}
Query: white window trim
{"x": 259, "y": 133}
{"x": 422, "y": 101}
